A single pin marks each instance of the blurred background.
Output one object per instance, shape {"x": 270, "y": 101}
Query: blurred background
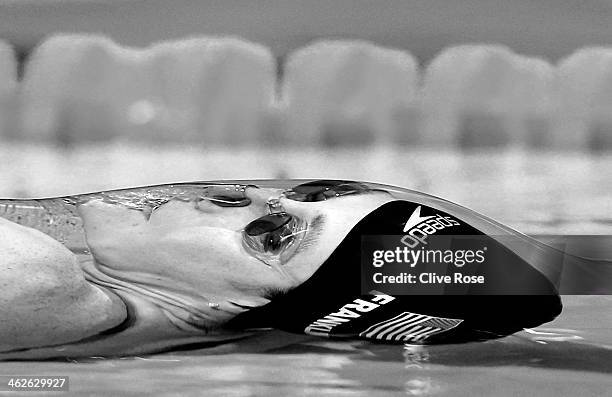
{"x": 505, "y": 107}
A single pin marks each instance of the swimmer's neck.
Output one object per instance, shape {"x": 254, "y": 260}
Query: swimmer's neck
{"x": 140, "y": 303}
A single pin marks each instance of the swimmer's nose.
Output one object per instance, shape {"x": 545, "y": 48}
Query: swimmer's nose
{"x": 262, "y": 197}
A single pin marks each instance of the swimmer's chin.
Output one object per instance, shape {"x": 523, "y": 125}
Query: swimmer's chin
{"x": 183, "y": 309}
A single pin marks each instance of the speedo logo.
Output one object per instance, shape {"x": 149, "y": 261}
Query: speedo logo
{"x": 418, "y": 227}
{"x": 348, "y": 312}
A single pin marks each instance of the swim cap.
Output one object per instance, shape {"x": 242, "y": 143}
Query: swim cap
{"x": 337, "y": 301}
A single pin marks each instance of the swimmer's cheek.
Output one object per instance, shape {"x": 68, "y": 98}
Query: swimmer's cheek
{"x": 44, "y": 297}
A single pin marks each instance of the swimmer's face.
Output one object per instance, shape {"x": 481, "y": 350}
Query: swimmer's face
{"x": 188, "y": 255}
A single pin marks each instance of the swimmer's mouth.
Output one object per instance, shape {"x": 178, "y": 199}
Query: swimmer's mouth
{"x": 245, "y": 307}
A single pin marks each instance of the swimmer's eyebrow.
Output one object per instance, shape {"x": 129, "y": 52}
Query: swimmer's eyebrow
{"x": 315, "y": 230}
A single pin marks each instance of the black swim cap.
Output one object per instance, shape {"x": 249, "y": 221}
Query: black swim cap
{"x": 333, "y": 303}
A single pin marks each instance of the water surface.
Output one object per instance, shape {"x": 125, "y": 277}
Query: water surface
{"x": 537, "y": 193}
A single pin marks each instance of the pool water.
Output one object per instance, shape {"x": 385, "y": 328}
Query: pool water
{"x": 537, "y": 193}
{"x": 570, "y": 356}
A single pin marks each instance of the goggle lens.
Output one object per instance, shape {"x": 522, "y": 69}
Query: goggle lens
{"x": 323, "y": 189}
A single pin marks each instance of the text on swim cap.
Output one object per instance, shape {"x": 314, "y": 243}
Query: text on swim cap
{"x": 346, "y": 313}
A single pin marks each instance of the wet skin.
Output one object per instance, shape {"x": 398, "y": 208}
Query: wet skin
{"x": 175, "y": 275}
{"x": 155, "y": 283}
